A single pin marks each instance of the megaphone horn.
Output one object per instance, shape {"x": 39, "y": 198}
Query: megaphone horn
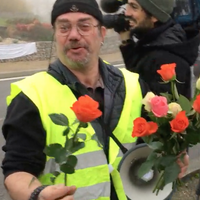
{"x": 140, "y": 188}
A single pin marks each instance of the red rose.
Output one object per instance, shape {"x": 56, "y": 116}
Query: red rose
{"x": 143, "y": 128}
{"x": 196, "y": 104}
{"x": 179, "y": 123}
{"x": 86, "y": 109}
{"x": 167, "y": 71}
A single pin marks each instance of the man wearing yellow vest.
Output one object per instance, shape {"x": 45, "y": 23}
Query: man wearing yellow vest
{"x": 78, "y": 70}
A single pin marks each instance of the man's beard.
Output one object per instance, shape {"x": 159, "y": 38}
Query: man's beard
{"x": 142, "y": 29}
{"x": 76, "y": 63}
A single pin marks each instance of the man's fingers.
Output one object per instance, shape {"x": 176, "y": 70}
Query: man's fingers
{"x": 72, "y": 190}
{"x": 183, "y": 171}
{"x": 183, "y": 164}
{"x": 56, "y": 192}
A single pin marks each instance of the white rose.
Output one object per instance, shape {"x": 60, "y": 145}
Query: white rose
{"x": 146, "y": 101}
{"x": 198, "y": 84}
{"x": 174, "y": 108}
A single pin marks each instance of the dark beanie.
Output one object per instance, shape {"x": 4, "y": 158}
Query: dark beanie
{"x": 160, "y": 9}
{"x": 90, "y": 7}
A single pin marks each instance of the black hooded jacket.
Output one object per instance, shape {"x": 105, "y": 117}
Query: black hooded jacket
{"x": 167, "y": 43}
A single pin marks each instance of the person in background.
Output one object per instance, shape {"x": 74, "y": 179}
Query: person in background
{"x": 154, "y": 39}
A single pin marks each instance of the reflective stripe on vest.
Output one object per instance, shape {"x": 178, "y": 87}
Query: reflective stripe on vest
{"x": 92, "y": 170}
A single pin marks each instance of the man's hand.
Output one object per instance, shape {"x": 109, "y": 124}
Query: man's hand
{"x": 183, "y": 164}
{"x": 57, "y": 192}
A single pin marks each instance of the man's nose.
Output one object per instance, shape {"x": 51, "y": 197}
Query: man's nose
{"x": 74, "y": 34}
{"x": 127, "y": 11}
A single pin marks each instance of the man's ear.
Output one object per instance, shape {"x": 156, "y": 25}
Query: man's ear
{"x": 103, "y": 32}
{"x": 153, "y": 19}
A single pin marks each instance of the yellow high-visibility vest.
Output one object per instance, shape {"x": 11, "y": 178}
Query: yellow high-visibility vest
{"x": 92, "y": 174}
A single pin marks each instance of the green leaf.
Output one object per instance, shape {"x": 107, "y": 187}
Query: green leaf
{"x": 53, "y": 178}
{"x": 77, "y": 146}
{"x": 47, "y": 178}
{"x": 147, "y": 165}
{"x": 72, "y": 160}
{"x": 68, "y": 167}
{"x": 155, "y": 145}
{"x": 82, "y": 136}
{"x": 192, "y": 136}
{"x": 167, "y": 160}
{"x": 56, "y": 173}
{"x": 66, "y": 131}
{"x": 61, "y": 155}
{"x": 152, "y": 156}
{"x": 52, "y": 149}
{"x": 171, "y": 172}
{"x": 145, "y": 168}
{"x": 148, "y": 139}
{"x": 184, "y": 103}
{"x": 56, "y": 151}
{"x": 59, "y": 119}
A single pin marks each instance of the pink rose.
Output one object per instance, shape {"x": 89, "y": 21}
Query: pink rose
{"x": 159, "y": 106}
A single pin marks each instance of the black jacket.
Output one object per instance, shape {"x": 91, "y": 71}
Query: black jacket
{"x": 167, "y": 43}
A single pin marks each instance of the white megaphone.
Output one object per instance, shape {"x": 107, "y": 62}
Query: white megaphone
{"x": 140, "y": 188}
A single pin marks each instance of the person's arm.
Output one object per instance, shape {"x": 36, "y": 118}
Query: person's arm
{"x": 25, "y": 141}
{"x": 20, "y": 185}
{"x": 24, "y": 158}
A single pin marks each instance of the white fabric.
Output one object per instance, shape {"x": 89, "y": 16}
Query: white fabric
{"x": 10, "y": 51}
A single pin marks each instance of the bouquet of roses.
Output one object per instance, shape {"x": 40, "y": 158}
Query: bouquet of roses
{"x": 173, "y": 127}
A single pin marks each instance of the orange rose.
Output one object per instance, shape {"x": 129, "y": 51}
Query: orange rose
{"x": 86, "y": 109}
{"x": 196, "y": 104}
{"x": 167, "y": 71}
{"x": 180, "y": 123}
{"x": 143, "y": 128}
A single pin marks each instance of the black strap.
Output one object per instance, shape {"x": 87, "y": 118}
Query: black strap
{"x": 109, "y": 133}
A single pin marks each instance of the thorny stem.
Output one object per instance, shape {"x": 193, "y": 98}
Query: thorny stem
{"x": 75, "y": 135}
{"x": 74, "y": 139}
{"x": 159, "y": 183}
{"x": 65, "y": 179}
{"x": 172, "y": 90}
